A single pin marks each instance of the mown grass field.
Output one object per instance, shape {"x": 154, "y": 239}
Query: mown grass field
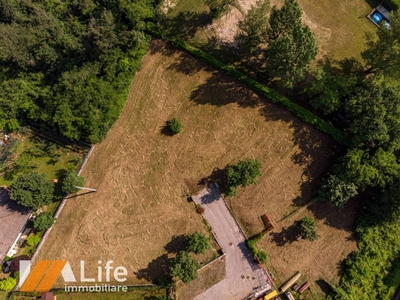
{"x": 144, "y": 177}
{"x": 340, "y": 27}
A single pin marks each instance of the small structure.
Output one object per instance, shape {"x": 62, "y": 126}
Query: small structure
{"x": 304, "y": 287}
{"x": 380, "y": 15}
{"x": 289, "y": 296}
{"x": 267, "y": 223}
{"x": 271, "y": 295}
{"x": 290, "y": 282}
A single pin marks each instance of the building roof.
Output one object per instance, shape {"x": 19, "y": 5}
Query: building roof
{"x": 48, "y": 296}
{"x": 383, "y": 11}
{"x": 13, "y": 218}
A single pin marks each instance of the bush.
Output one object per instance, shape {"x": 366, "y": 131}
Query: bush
{"x": 260, "y": 255}
{"x": 33, "y": 240}
{"x": 242, "y": 174}
{"x": 184, "y": 267}
{"x": 197, "y": 243}
{"x": 7, "y": 284}
{"x": 43, "y": 221}
{"x": 70, "y": 181}
{"x": 174, "y": 125}
{"x": 306, "y": 227}
{"x": 199, "y": 209}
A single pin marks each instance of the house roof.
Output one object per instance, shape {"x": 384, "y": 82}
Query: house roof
{"x": 383, "y": 11}
{"x": 13, "y": 218}
{"x": 48, "y": 296}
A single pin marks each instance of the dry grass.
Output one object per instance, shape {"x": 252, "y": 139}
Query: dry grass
{"x": 206, "y": 278}
{"x": 143, "y": 177}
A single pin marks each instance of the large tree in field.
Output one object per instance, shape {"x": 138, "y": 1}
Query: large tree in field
{"x": 292, "y": 45}
{"x": 32, "y": 190}
{"x": 197, "y": 242}
{"x": 253, "y": 30}
{"x": 184, "y": 267}
{"x": 244, "y": 173}
{"x": 383, "y": 54}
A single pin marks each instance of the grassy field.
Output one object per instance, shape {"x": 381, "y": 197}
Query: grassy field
{"x": 143, "y": 177}
{"x": 339, "y": 26}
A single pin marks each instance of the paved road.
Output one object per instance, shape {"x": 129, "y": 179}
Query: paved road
{"x": 243, "y": 275}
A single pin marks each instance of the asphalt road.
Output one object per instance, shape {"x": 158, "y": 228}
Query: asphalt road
{"x": 243, "y": 275}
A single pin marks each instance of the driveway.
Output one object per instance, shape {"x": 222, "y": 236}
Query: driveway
{"x": 244, "y": 277}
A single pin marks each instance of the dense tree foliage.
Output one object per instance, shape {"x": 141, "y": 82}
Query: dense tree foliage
{"x": 33, "y": 240}
{"x": 184, "y": 267}
{"x": 291, "y": 45}
{"x": 252, "y": 31}
{"x": 70, "y": 182}
{"x": 43, "y": 221}
{"x": 197, "y": 243}
{"x": 244, "y": 173}
{"x": 32, "y": 190}
{"x": 7, "y": 284}
{"x": 306, "y": 227}
{"x": 68, "y": 65}
{"x": 337, "y": 191}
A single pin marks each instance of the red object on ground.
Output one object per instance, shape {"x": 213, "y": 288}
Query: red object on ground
{"x": 304, "y": 287}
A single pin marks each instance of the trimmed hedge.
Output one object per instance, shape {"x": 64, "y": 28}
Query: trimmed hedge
{"x": 270, "y": 94}
{"x": 260, "y": 255}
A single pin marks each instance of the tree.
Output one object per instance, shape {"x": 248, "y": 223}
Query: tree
{"x": 43, "y": 221}
{"x": 184, "y": 267}
{"x": 292, "y": 45}
{"x": 374, "y": 111}
{"x": 33, "y": 240}
{"x": 174, "y": 125}
{"x": 244, "y": 173}
{"x": 306, "y": 227}
{"x": 253, "y": 30}
{"x": 197, "y": 243}
{"x": 32, "y": 190}
{"x": 382, "y": 54}
{"x": 7, "y": 284}
{"x": 220, "y": 7}
{"x": 337, "y": 191}
{"x": 70, "y": 181}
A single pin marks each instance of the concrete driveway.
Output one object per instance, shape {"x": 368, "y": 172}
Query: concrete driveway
{"x": 243, "y": 275}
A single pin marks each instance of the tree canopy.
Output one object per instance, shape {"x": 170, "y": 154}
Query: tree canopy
{"x": 70, "y": 182}
{"x": 306, "y": 227}
{"x": 244, "y": 173}
{"x": 69, "y": 65}
{"x": 43, "y": 221}
{"x": 32, "y": 190}
{"x": 184, "y": 267}
{"x": 197, "y": 242}
{"x": 337, "y": 191}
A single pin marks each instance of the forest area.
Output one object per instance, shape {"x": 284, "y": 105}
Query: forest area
{"x": 68, "y": 66}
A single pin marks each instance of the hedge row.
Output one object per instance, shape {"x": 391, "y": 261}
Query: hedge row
{"x": 270, "y": 94}
{"x": 260, "y": 255}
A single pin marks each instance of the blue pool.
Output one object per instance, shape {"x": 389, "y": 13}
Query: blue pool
{"x": 377, "y": 17}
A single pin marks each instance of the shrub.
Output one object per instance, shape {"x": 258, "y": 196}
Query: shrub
{"x": 70, "y": 181}
{"x": 43, "y": 221}
{"x": 174, "y": 125}
{"x": 242, "y": 174}
{"x": 306, "y": 227}
{"x": 33, "y": 240}
{"x": 260, "y": 255}
{"x": 7, "y": 284}
{"x": 184, "y": 267}
{"x": 197, "y": 243}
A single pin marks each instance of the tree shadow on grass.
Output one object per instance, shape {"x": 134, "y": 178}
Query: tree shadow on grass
{"x": 177, "y": 243}
{"x": 219, "y": 176}
{"x": 287, "y": 235}
{"x": 324, "y": 286}
{"x": 157, "y": 269}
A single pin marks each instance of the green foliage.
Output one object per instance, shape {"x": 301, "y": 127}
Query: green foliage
{"x": 337, "y": 191}
{"x": 382, "y": 54}
{"x": 291, "y": 45}
{"x": 69, "y": 66}
{"x": 184, "y": 267}
{"x": 220, "y": 7}
{"x": 370, "y": 270}
{"x": 270, "y": 94}
{"x": 7, "y": 284}
{"x": 364, "y": 168}
{"x": 70, "y": 181}
{"x": 43, "y": 221}
{"x": 33, "y": 240}
{"x": 306, "y": 227}
{"x": 32, "y": 190}
{"x": 242, "y": 174}
{"x": 375, "y": 111}
{"x": 197, "y": 243}
{"x": 262, "y": 256}
{"x": 174, "y": 125}
{"x": 252, "y": 31}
